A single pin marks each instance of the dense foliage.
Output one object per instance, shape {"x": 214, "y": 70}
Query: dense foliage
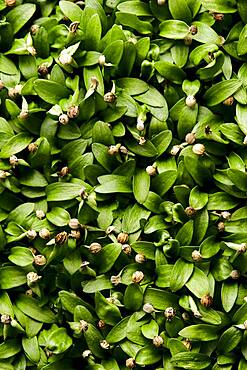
{"x": 123, "y": 184}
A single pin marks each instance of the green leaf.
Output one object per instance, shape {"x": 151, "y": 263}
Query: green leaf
{"x": 58, "y": 216}
{"x": 198, "y": 199}
{"x": 198, "y": 283}
{"x": 135, "y": 7}
{"x": 200, "y": 332}
{"x": 31, "y": 349}
{"x": 114, "y": 184}
{"x": 180, "y": 10}
{"x": 11, "y": 277}
{"x": 174, "y": 29}
{"x": 101, "y": 282}
{"x": 190, "y": 360}
{"x": 141, "y": 185}
{"x": 71, "y": 10}
{"x": 118, "y": 332}
{"x": 62, "y": 191}
{"x": 51, "y": 91}
{"x": 147, "y": 355}
{"x": 92, "y": 39}
{"x": 180, "y": 274}
{"x": 132, "y": 86}
{"x": 133, "y": 297}
{"x": 170, "y": 71}
{"x": 131, "y": 20}
{"x": 9, "y": 348}
{"x": 21, "y": 256}
{"x": 229, "y": 293}
{"x": 160, "y": 299}
{"x": 7, "y": 66}
{"x": 20, "y": 15}
{"x": 30, "y": 307}
{"x": 229, "y": 340}
{"x": 164, "y": 181}
{"x": 221, "y": 91}
{"x": 108, "y": 256}
{"x": 241, "y": 113}
{"x": 15, "y": 144}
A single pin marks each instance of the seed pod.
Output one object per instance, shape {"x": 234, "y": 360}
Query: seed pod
{"x": 190, "y": 101}
{"x": 190, "y": 138}
{"x": 74, "y": 223}
{"x": 34, "y": 29}
{"x": 61, "y": 238}
{"x": 140, "y": 258}
{"x": 4, "y": 174}
{"x": 226, "y": 215}
{"x": 101, "y": 60}
{"x": 40, "y": 214}
{"x": 23, "y": 115}
{"x": 187, "y": 344}
{"x": 73, "y": 111}
{"x": 221, "y": 226}
{"x": 76, "y": 234}
{"x": 73, "y": 27}
{"x": 113, "y": 149}
{"x": 13, "y": 160}
{"x": 142, "y": 140}
{"x": 83, "y": 194}
{"x": 33, "y": 277}
{"x": 175, "y": 149}
{"x": 190, "y": 211}
{"x": 44, "y": 233}
{"x": 101, "y": 324}
{"x": 188, "y": 40}
{"x": 1, "y": 85}
{"x": 185, "y": 316}
{"x": 29, "y": 292}
{"x": 10, "y": 3}
{"x": 40, "y": 260}
{"x": 31, "y": 234}
{"x": 13, "y": 92}
{"x": 207, "y": 300}
{"x": 110, "y": 97}
{"x": 158, "y": 341}
{"x": 196, "y": 256}
{"x": 122, "y": 238}
{"x": 87, "y": 353}
{"x": 63, "y": 119}
{"x": 83, "y": 325}
{"x": 140, "y": 125}
{"x": 151, "y": 170}
{"x": 130, "y": 363}
{"x": 123, "y": 149}
{"x": 95, "y": 248}
{"x": 116, "y": 279}
{"x": 43, "y": 70}
{"x": 94, "y": 83}
{"x": 242, "y": 248}
{"x": 245, "y": 325}
{"x": 229, "y": 101}
{"x": 65, "y": 58}
{"x": 104, "y": 344}
{"x": 235, "y": 274}
{"x": 63, "y": 172}
{"x": 170, "y": 313}
{"x": 126, "y": 248}
{"x": 32, "y": 147}
{"x": 32, "y": 50}
{"x": 193, "y": 30}
{"x": 148, "y": 308}
{"x": 137, "y": 277}
{"x": 245, "y": 140}
{"x": 198, "y": 149}
{"x": 218, "y": 17}
{"x": 5, "y": 319}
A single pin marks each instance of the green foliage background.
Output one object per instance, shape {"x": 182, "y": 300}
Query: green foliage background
{"x": 123, "y": 184}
